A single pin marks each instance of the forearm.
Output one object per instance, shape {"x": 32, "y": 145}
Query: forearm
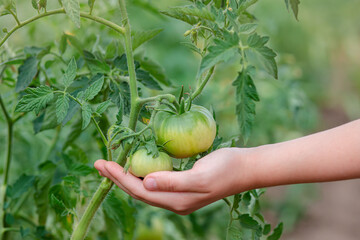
{"x": 326, "y": 156}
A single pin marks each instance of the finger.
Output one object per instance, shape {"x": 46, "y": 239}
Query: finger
{"x": 179, "y": 202}
{"x": 185, "y": 181}
{"x": 100, "y": 166}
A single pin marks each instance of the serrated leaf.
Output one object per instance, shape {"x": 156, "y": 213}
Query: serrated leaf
{"x": 62, "y": 107}
{"x": 247, "y": 28}
{"x": 119, "y": 210}
{"x": 35, "y": 99}
{"x": 265, "y": 55}
{"x": 57, "y": 205}
{"x": 86, "y": 113}
{"x": 27, "y": 73}
{"x": 233, "y": 233}
{"x": 294, "y": 6}
{"x": 72, "y": 9}
{"x": 103, "y": 106}
{"x": 175, "y": 13}
{"x": 35, "y": 4}
{"x": 42, "y": 4}
{"x": 192, "y": 47}
{"x": 190, "y": 14}
{"x": 223, "y": 50}
{"x": 276, "y": 233}
{"x": 247, "y": 221}
{"x": 145, "y": 78}
{"x": 140, "y": 37}
{"x": 21, "y": 185}
{"x": 267, "y": 229}
{"x": 70, "y": 73}
{"x": 246, "y": 96}
{"x": 93, "y": 89}
{"x": 155, "y": 69}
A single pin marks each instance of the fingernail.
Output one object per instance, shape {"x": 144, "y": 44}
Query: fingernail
{"x": 150, "y": 184}
{"x": 100, "y": 173}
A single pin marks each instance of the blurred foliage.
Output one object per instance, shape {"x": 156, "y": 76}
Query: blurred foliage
{"x": 318, "y": 70}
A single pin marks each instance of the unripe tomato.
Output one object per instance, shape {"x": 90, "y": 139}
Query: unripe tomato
{"x": 143, "y": 163}
{"x": 187, "y": 134}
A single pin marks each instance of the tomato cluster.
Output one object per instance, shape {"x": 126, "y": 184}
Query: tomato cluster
{"x": 182, "y": 135}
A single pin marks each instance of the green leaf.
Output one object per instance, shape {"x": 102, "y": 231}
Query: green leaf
{"x": 7, "y": 6}
{"x": 57, "y": 205}
{"x": 42, "y": 186}
{"x": 74, "y": 133}
{"x": 223, "y": 50}
{"x": 148, "y": 81}
{"x": 35, "y": 4}
{"x": 248, "y": 222}
{"x": 267, "y": 229}
{"x": 27, "y": 73}
{"x": 294, "y": 6}
{"x": 247, "y": 28}
{"x": 119, "y": 210}
{"x": 70, "y": 73}
{"x": 178, "y": 14}
{"x": 63, "y": 44}
{"x": 140, "y": 37}
{"x": 93, "y": 89}
{"x": 35, "y": 99}
{"x": 155, "y": 69}
{"x": 276, "y": 233}
{"x": 62, "y": 107}
{"x": 86, "y": 115}
{"x": 189, "y": 14}
{"x": 246, "y": 96}
{"x": 95, "y": 65}
{"x": 72, "y": 9}
{"x": 42, "y": 4}
{"x": 47, "y": 120}
{"x": 233, "y": 233}
{"x": 21, "y": 186}
{"x": 102, "y": 107}
{"x": 265, "y": 55}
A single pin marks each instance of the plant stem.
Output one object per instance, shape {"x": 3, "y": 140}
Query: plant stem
{"x": 203, "y": 83}
{"x": 105, "y": 186}
{"x": 129, "y": 53}
{"x": 98, "y": 197}
{"x": 15, "y": 17}
{"x": 6, "y": 167}
{"x": 103, "y": 21}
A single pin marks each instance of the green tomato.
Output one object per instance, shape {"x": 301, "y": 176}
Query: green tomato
{"x": 187, "y": 134}
{"x": 143, "y": 163}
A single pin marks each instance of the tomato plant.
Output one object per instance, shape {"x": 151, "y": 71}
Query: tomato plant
{"x": 143, "y": 163}
{"x": 94, "y": 83}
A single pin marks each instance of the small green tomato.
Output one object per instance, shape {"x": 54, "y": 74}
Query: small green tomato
{"x": 143, "y": 163}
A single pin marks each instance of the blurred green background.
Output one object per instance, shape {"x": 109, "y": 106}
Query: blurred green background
{"x": 318, "y": 85}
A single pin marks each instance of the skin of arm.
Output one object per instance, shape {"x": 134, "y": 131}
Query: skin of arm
{"x": 325, "y": 156}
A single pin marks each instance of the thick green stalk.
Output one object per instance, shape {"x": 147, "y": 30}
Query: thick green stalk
{"x": 62, "y": 11}
{"x": 100, "y": 194}
{"x": 98, "y": 197}
{"x": 6, "y": 168}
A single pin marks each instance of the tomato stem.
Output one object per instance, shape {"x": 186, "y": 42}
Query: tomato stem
{"x": 203, "y": 83}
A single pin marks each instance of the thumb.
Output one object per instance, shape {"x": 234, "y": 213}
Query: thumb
{"x": 171, "y": 181}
